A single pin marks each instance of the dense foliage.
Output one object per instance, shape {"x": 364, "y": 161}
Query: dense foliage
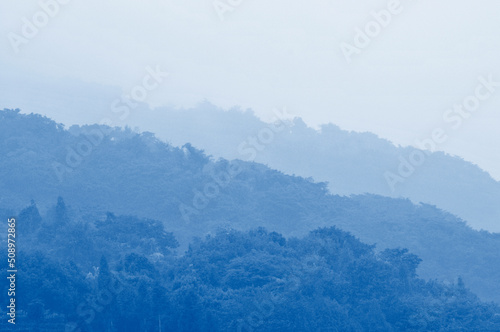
{"x": 123, "y": 273}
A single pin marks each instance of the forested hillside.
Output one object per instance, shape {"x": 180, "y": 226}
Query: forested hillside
{"x": 351, "y": 162}
{"x": 100, "y": 170}
{"x": 123, "y": 274}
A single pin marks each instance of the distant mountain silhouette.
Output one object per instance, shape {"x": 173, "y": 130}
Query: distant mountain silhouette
{"x": 351, "y": 162}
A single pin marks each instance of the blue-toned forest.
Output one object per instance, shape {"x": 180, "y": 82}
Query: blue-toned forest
{"x": 119, "y": 231}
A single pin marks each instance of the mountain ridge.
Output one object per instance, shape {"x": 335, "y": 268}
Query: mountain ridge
{"x": 351, "y": 162}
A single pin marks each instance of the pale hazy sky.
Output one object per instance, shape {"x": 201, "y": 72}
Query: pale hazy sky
{"x": 263, "y": 55}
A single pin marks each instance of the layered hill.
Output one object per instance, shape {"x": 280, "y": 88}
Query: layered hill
{"x": 351, "y": 162}
{"x": 100, "y": 169}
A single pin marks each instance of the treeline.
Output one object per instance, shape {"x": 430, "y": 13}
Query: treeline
{"x": 120, "y": 273}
